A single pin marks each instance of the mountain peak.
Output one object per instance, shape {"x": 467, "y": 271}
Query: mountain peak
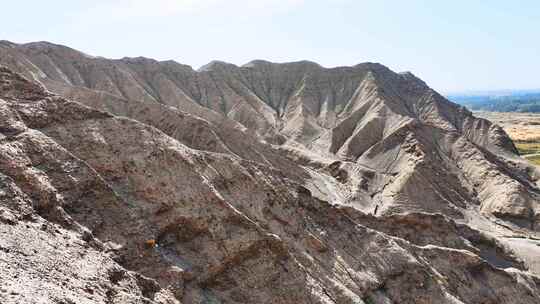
{"x": 138, "y": 59}
{"x": 215, "y": 65}
{"x": 256, "y": 62}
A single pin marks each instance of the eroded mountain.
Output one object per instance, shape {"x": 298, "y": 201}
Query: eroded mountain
{"x": 266, "y": 183}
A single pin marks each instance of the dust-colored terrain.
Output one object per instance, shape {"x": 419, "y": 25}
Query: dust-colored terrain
{"x": 523, "y": 128}
{"x": 139, "y": 181}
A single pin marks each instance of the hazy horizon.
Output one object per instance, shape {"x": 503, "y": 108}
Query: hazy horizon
{"x": 455, "y": 47}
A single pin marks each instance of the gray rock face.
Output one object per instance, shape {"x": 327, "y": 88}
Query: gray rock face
{"x": 266, "y": 183}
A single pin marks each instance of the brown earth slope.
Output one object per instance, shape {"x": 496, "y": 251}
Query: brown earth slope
{"x": 254, "y": 183}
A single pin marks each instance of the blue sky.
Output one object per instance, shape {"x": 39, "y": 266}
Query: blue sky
{"x": 452, "y": 45}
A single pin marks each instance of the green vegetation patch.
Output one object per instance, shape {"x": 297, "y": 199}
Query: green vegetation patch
{"x": 535, "y": 159}
{"x": 521, "y": 102}
{"x": 525, "y": 148}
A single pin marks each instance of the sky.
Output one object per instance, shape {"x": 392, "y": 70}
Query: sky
{"x": 454, "y": 45}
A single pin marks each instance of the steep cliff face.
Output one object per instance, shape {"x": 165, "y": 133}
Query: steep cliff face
{"x": 261, "y": 95}
{"x": 364, "y": 116}
{"x": 267, "y": 183}
{"x": 298, "y": 102}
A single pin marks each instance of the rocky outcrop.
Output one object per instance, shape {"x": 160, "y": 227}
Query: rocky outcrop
{"x": 267, "y": 183}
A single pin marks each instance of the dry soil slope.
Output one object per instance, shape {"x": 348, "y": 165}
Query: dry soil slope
{"x": 83, "y": 190}
{"x": 399, "y": 146}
